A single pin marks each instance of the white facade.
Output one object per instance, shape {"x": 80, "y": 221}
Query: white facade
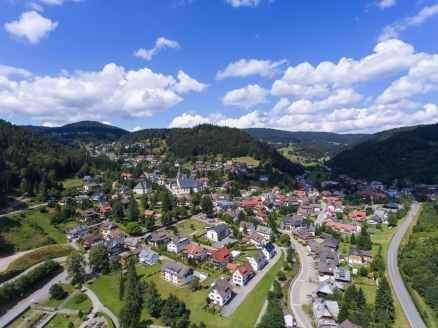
{"x": 212, "y": 235}
{"x": 177, "y": 281}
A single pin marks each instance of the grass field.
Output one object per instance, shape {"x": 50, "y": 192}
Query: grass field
{"x": 50, "y": 302}
{"x": 84, "y": 306}
{"x": 61, "y": 320}
{"x": 196, "y": 224}
{"x": 313, "y": 175}
{"x": 28, "y": 316}
{"x": 248, "y": 160}
{"x": 72, "y": 182}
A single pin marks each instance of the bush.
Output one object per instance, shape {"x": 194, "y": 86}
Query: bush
{"x": 79, "y": 298}
{"x": 79, "y": 286}
{"x": 80, "y": 314}
{"x": 56, "y": 292}
{"x": 281, "y": 276}
{"x": 363, "y": 271}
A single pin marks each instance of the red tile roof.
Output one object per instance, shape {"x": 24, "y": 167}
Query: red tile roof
{"x": 222, "y": 254}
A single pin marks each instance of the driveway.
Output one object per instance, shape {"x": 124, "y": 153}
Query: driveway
{"x": 224, "y": 242}
{"x": 242, "y": 292}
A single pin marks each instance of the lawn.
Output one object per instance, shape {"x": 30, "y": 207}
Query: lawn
{"x": 247, "y": 160}
{"x": 43, "y": 221}
{"x": 72, "y": 182}
{"x": 84, "y": 306}
{"x": 247, "y": 313}
{"x": 61, "y": 320}
{"x": 196, "y": 224}
{"x": 50, "y": 302}
{"x": 313, "y": 175}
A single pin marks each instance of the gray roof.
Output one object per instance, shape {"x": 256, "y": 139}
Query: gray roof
{"x": 322, "y": 308}
{"x": 115, "y": 242}
{"x": 331, "y": 242}
{"x": 358, "y": 252}
{"x": 143, "y": 185}
{"x": 264, "y": 230}
{"x": 179, "y": 240}
{"x": 220, "y": 228}
{"x": 147, "y": 255}
{"x": 223, "y": 287}
{"x": 348, "y": 324}
{"x": 259, "y": 257}
{"x": 342, "y": 274}
{"x": 328, "y": 286}
{"x": 78, "y": 229}
{"x": 159, "y": 234}
{"x": 176, "y": 269}
{"x": 187, "y": 183}
{"x": 269, "y": 247}
{"x": 312, "y": 244}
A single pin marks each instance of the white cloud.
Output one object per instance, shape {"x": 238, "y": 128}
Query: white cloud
{"x": 57, "y": 2}
{"x": 9, "y": 70}
{"x": 246, "y": 3}
{"x": 246, "y": 97}
{"x": 387, "y": 3}
{"x": 137, "y": 128}
{"x": 107, "y": 123}
{"x": 51, "y": 124}
{"x": 354, "y": 120}
{"x": 31, "y": 26}
{"x": 392, "y": 31}
{"x": 421, "y": 78}
{"x": 113, "y": 91}
{"x": 34, "y": 6}
{"x": 186, "y": 84}
{"x": 160, "y": 43}
{"x": 306, "y": 81}
{"x": 252, "y": 67}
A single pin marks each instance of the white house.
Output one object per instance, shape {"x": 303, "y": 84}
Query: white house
{"x": 258, "y": 261}
{"x": 266, "y": 232}
{"x": 269, "y": 251}
{"x": 243, "y": 274}
{"x": 178, "y": 244}
{"x": 143, "y": 187}
{"x": 221, "y": 292}
{"x": 219, "y": 232}
{"x": 257, "y": 239}
{"x": 249, "y": 226}
{"x": 77, "y": 232}
{"x": 176, "y": 273}
{"x": 148, "y": 257}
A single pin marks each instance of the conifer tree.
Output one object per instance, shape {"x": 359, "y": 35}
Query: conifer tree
{"x": 133, "y": 211}
{"x": 360, "y": 299}
{"x": 384, "y": 306}
{"x": 353, "y": 239}
{"x": 152, "y": 299}
{"x": 172, "y": 310}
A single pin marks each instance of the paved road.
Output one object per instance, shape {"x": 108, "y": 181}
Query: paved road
{"x": 320, "y": 218}
{"x": 400, "y": 290}
{"x": 295, "y": 290}
{"x": 24, "y": 209}
{"x": 242, "y": 292}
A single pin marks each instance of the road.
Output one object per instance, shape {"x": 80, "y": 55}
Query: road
{"x": 400, "y": 290}
{"x": 295, "y": 290}
{"x": 320, "y": 218}
{"x": 24, "y": 209}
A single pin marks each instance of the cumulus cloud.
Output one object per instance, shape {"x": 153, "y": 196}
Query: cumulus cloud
{"x": 244, "y": 68}
{"x": 392, "y": 31}
{"x": 31, "y": 26}
{"x": 137, "y": 128}
{"x": 106, "y": 122}
{"x": 354, "y": 120}
{"x": 387, "y": 3}
{"x": 246, "y": 3}
{"x": 113, "y": 91}
{"x": 160, "y": 43}
{"x": 246, "y": 97}
{"x": 57, "y": 2}
{"x": 186, "y": 84}
{"x": 34, "y": 6}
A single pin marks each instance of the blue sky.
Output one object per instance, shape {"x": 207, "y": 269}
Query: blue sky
{"x": 338, "y": 66}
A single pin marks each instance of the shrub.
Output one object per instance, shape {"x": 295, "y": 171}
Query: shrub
{"x": 281, "y": 276}
{"x": 79, "y": 298}
{"x": 80, "y": 314}
{"x": 56, "y": 292}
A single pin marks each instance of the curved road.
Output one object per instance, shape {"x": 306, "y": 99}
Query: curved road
{"x": 394, "y": 274}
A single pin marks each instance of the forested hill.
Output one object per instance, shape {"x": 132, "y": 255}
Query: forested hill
{"x": 76, "y": 134}
{"x": 412, "y": 152}
{"x": 207, "y": 139}
{"x": 314, "y": 144}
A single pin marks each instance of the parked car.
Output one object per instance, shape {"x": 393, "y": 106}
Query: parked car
{"x": 309, "y": 295}
{"x": 309, "y": 254}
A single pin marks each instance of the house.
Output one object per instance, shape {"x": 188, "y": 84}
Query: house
{"x": 159, "y": 237}
{"x": 391, "y": 206}
{"x": 359, "y": 257}
{"x": 341, "y": 274}
{"x": 257, "y": 239}
{"x": 178, "y": 163}
{"x": 183, "y": 186}
{"x": 178, "y": 244}
{"x": 293, "y": 223}
{"x": 176, "y": 273}
{"x": 142, "y": 188}
{"x": 66, "y": 201}
{"x": 132, "y": 242}
{"x": 221, "y": 257}
{"x": 331, "y": 242}
{"x": 105, "y": 211}
{"x": 108, "y": 227}
{"x": 328, "y": 286}
{"x": 260, "y": 216}
{"x": 358, "y": 216}
{"x": 198, "y": 253}
{"x": 117, "y": 234}
{"x": 125, "y": 190}
{"x": 77, "y": 232}
{"x": 148, "y": 257}
{"x": 264, "y": 178}
{"x": 126, "y": 176}
{"x": 304, "y": 234}
{"x": 115, "y": 246}
{"x": 289, "y": 318}
{"x": 148, "y": 213}
{"x": 87, "y": 215}
{"x": 311, "y": 244}
{"x": 266, "y": 232}
{"x": 269, "y": 250}
{"x": 243, "y": 274}
{"x": 348, "y": 324}
{"x": 221, "y": 292}
{"x": 88, "y": 178}
{"x": 90, "y": 186}
{"x": 258, "y": 261}
{"x": 254, "y": 189}
{"x": 249, "y": 226}
{"x": 325, "y": 312}
{"x": 91, "y": 240}
{"x": 99, "y": 197}
{"x": 219, "y": 232}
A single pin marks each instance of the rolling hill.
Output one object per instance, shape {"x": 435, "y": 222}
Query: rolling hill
{"x": 80, "y": 133}
{"x": 309, "y": 144}
{"x": 398, "y": 153}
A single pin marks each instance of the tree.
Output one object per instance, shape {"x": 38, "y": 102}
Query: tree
{"x": 284, "y": 240}
{"x": 133, "y": 228}
{"x": 194, "y": 285}
{"x": 114, "y": 265}
{"x": 353, "y": 239}
{"x": 152, "y": 299}
{"x": 118, "y": 209}
{"x": 206, "y": 205}
{"x": 75, "y": 265}
{"x": 202, "y": 325}
{"x": 360, "y": 299}
{"x": 80, "y": 314}
{"x": 133, "y": 211}
{"x": 166, "y": 204}
{"x": 150, "y": 222}
{"x": 392, "y": 220}
{"x": 384, "y": 306}
{"x": 133, "y": 299}
{"x": 172, "y": 310}
{"x": 98, "y": 256}
{"x": 281, "y": 276}
{"x": 364, "y": 240}
{"x": 343, "y": 312}
{"x": 145, "y": 201}
{"x": 122, "y": 288}
{"x": 70, "y": 325}
{"x": 363, "y": 271}
{"x": 56, "y": 292}
{"x": 273, "y": 318}
{"x": 183, "y": 321}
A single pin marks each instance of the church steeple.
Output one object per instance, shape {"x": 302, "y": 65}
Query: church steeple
{"x": 179, "y": 175}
